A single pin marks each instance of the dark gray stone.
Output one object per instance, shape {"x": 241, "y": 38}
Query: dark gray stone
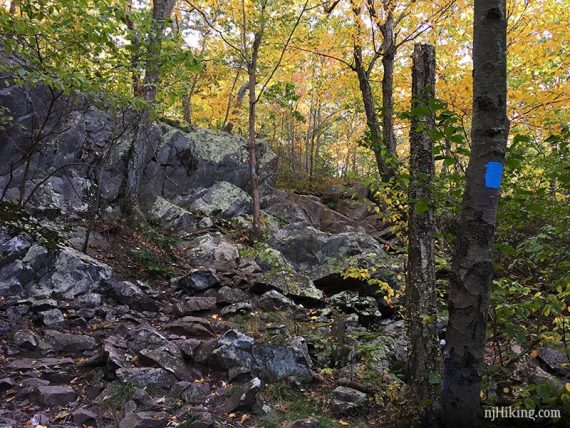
{"x": 83, "y": 417}
{"x": 146, "y": 376}
{"x": 25, "y": 339}
{"x": 228, "y": 295}
{"x": 198, "y": 280}
{"x": 63, "y": 342}
{"x": 54, "y": 396}
{"x": 144, "y": 420}
{"x": 52, "y": 318}
{"x": 192, "y": 327}
{"x": 131, "y": 295}
{"x": 348, "y": 402}
{"x": 306, "y": 423}
{"x": 243, "y": 398}
{"x": 194, "y": 304}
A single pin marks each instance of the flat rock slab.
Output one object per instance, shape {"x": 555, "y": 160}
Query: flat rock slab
{"x": 147, "y": 376}
{"x": 144, "y": 420}
{"x": 69, "y": 342}
{"x": 55, "y": 395}
{"x": 192, "y": 327}
{"x": 194, "y": 304}
{"x": 30, "y": 363}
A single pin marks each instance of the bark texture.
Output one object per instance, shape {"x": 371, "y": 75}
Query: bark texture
{"x": 372, "y": 120}
{"x": 472, "y": 271}
{"x": 423, "y": 348}
{"x": 388, "y": 56}
{"x": 141, "y": 142}
{"x": 253, "y": 177}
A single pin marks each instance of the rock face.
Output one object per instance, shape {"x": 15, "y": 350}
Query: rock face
{"x": 83, "y": 147}
{"x": 36, "y": 271}
{"x": 272, "y": 363}
{"x": 317, "y": 254}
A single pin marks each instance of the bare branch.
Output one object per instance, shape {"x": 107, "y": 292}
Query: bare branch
{"x": 283, "y": 50}
{"x": 219, "y": 32}
{"x": 325, "y": 56}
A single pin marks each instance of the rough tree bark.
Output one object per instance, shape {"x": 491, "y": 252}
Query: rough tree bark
{"x": 421, "y": 296}
{"x": 472, "y": 271}
{"x": 253, "y": 177}
{"x": 230, "y": 120}
{"x": 372, "y": 120}
{"x": 139, "y": 147}
{"x": 388, "y": 56}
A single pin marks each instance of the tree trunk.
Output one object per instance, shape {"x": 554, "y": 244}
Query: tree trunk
{"x": 421, "y": 313}
{"x": 140, "y": 144}
{"x": 230, "y": 97}
{"x": 161, "y": 11}
{"x": 371, "y": 116}
{"x": 388, "y": 55}
{"x": 472, "y": 270}
{"x": 134, "y": 62}
{"x": 253, "y": 177}
{"x": 230, "y": 122}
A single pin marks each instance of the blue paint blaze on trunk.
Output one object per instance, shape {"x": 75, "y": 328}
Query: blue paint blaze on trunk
{"x": 493, "y": 175}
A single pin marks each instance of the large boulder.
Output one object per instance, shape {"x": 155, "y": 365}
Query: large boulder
{"x": 317, "y": 254}
{"x": 34, "y": 270}
{"x": 279, "y": 274}
{"x": 223, "y": 199}
{"x": 271, "y": 362}
{"x": 292, "y": 208}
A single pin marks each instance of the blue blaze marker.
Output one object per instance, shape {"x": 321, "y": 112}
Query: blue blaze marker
{"x": 493, "y": 175}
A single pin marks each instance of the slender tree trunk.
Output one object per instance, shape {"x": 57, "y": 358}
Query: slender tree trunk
{"x": 371, "y": 116}
{"x": 13, "y": 6}
{"x": 253, "y": 177}
{"x": 230, "y": 122}
{"x": 135, "y": 77}
{"x": 472, "y": 270}
{"x": 421, "y": 313}
{"x": 230, "y": 98}
{"x": 388, "y": 55}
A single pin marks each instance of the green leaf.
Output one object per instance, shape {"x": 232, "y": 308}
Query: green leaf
{"x": 421, "y": 207}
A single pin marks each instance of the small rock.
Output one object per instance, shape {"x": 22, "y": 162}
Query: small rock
{"x": 306, "y": 423}
{"x": 194, "y": 304}
{"x": 198, "y": 280}
{"x": 53, "y": 396}
{"x": 168, "y": 362}
{"x": 554, "y": 360}
{"x": 230, "y": 295}
{"x": 348, "y": 401}
{"x": 275, "y": 301}
{"x": 236, "y": 308}
{"x": 25, "y": 339}
{"x": 83, "y": 417}
{"x": 88, "y": 301}
{"x": 69, "y": 342}
{"x": 146, "y": 376}
{"x": 6, "y": 383}
{"x": 192, "y": 327}
{"x": 144, "y": 420}
{"x": 201, "y": 420}
{"x": 242, "y": 398}
{"x": 39, "y": 419}
{"x": 52, "y": 318}
{"x": 129, "y": 294}
{"x": 43, "y": 305}
{"x": 196, "y": 393}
